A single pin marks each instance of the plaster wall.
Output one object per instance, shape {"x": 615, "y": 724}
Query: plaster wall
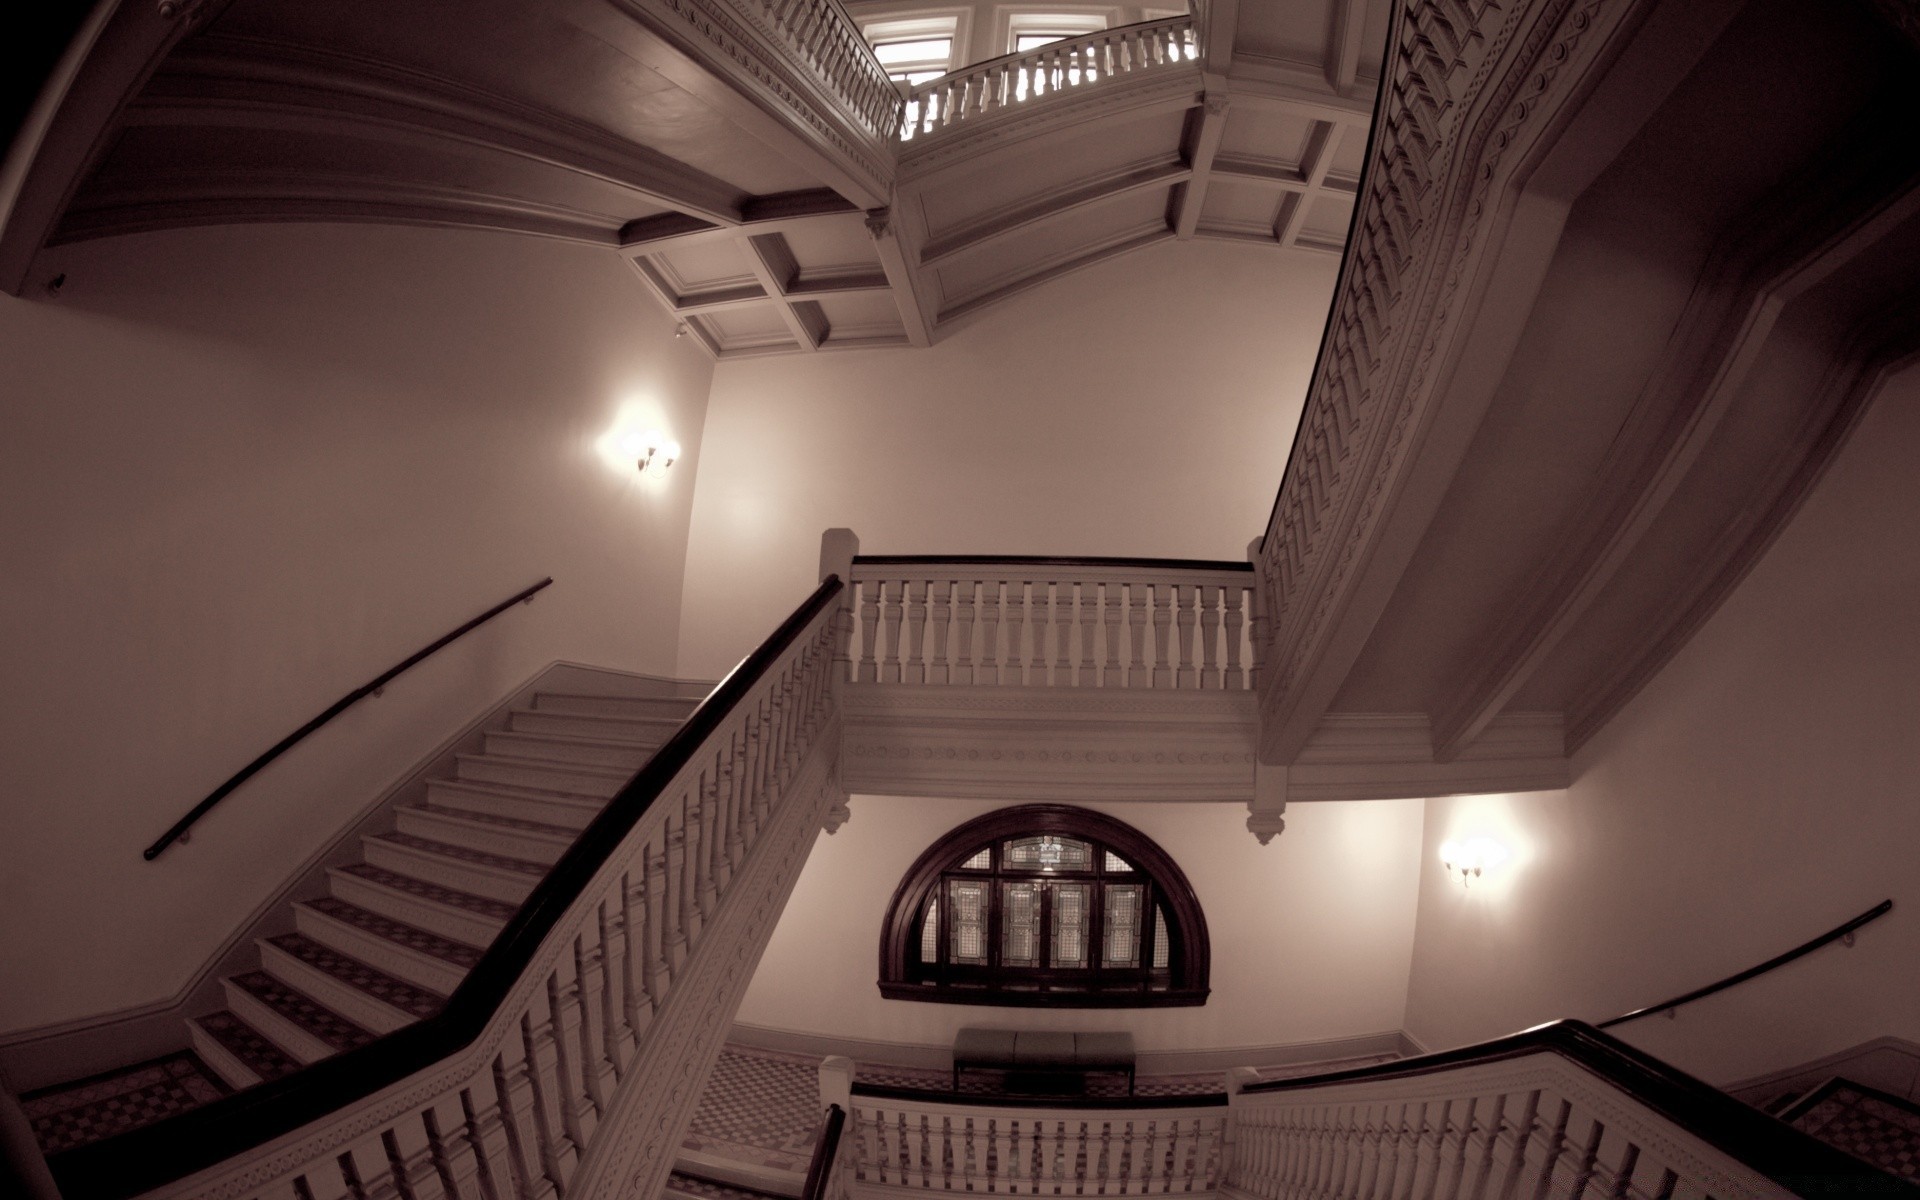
{"x": 247, "y": 469}
{"x": 1311, "y": 934}
{"x": 1758, "y": 792}
{"x": 1143, "y": 406}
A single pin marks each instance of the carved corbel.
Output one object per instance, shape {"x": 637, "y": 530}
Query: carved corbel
{"x": 1265, "y": 812}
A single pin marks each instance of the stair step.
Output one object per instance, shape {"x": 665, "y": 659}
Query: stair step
{"x": 693, "y": 1187}
{"x": 614, "y": 706}
{"x": 497, "y": 876}
{"x": 357, "y": 991}
{"x": 237, "y": 1052}
{"x": 649, "y": 731}
{"x": 534, "y": 841}
{"x": 599, "y": 782}
{"x": 436, "y": 908}
{"x": 548, "y": 808}
{"x": 408, "y": 952}
{"x": 571, "y": 748}
{"x": 297, "y": 1023}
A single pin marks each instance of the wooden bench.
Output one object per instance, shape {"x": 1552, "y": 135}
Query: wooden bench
{"x": 1042, "y": 1058}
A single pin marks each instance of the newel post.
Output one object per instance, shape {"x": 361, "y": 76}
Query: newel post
{"x": 1237, "y": 1078}
{"x": 838, "y": 549}
{"x": 836, "y": 1082}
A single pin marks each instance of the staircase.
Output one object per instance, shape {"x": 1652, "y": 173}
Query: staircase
{"x": 398, "y": 930}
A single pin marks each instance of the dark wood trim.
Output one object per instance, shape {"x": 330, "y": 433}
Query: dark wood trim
{"x": 1779, "y": 960}
{"x": 143, "y": 1159}
{"x": 826, "y": 1146}
{"x": 1189, "y": 949}
{"x": 1800, "y": 1163}
{"x": 1041, "y": 560}
{"x": 946, "y": 1096}
{"x": 179, "y": 828}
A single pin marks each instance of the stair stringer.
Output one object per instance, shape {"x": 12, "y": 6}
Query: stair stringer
{"x": 645, "y": 1125}
{"x": 50, "y": 1054}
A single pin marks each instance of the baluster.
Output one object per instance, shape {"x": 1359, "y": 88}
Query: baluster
{"x": 1086, "y": 667}
{"x": 673, "y": 917}
{"x": 890, "y": 592}
{"x": 429, "y": 1166}
{"x": 368, "y": 1171}
{"x": 708, "y": 810}
{"x": 520, "y": 1118}
{"x": 1137, "y": 624}
{"x": 916, "y": 629}
{"x": 1236, "y": 678}
{"x": 735, "y": 771}
{"x": 1063, "y": 614}
{"x": 595, "y": 997}
{"x": 636, "y": 1005}
{"x": 869, "y": 630}
{"x": 937, "y": 670}
{"x": 560, "y": 1029}
{"x": 989, "y": 661}
{"x": 1209, "y": 660}
{"x": 1163, "y": 597}
{"x": 1014, "y": 671}
{"x": 484, "y": 1129}
{"x": 691, "y": 835}
{"x": 963, "y": 631}
{"x": 559, "y": 1151}
{"x": 1042, "y": 619}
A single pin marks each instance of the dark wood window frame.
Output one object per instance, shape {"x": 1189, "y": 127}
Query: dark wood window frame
{"x": 903, "y": 976}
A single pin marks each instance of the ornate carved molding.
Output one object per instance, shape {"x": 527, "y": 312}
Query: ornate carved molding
{"x": 1469, "y": 82}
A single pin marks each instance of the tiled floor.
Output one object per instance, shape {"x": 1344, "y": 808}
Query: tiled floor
{"x": 1881, "y": 1129}
{"x": 762, "y": 1107}
{"x": 73, "y": 1114}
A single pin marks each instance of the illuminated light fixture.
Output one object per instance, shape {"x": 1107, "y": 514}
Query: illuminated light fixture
{"x": 1049, "y": 853}
{"x": 657, "y": 453}
{"x": 1468, "y": 860}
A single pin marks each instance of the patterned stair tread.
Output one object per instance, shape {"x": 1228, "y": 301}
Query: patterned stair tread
{"x": 485, "y": 906}
{"x": 1873, "y": 1126}
{"x": 303, "y": 1010}
{"x": 465, "y": 854}
{"x": 487, "y": 818}
{"x": 84, "y": 1111}
{"x": 707, "y": 1189}
{"x": 398, "y": 932}
{"x": 396, "y": 993}
{"x": 249, "y": 1045}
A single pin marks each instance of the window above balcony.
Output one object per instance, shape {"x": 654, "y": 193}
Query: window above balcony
{"x": 1045, "y": 906}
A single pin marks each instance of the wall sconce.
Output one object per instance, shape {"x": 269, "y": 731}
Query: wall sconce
{"x": 657, "y": 453}
{"x": 1467, "y": 860}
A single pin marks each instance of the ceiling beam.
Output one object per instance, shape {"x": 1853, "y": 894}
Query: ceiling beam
{"x": 994, "y": 295}
{"x": 778, "y": 213}
{"x": 1223, "y": 21}
{"x": 1003, "y": 221}
{"x": 1349, "y": 21}
{"x": 1209, "y": 125}
{"x": 1702, "y": 375}
{"x": 897, "y": 261}
{"x": 1317, "y": 160}
{"x": 773, "y": 265}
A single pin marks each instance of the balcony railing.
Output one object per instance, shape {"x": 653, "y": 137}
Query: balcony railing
{"x": 1047, "y": 71}
{"x": 821, "y": 33}
{"x": 1053, "y": 622}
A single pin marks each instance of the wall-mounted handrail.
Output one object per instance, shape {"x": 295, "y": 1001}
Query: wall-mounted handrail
{"x": 178, "y": 829}
{"x": 1795, "y": 1160}
{"x": 1779, "y": 960}
{"x": 826, "y": 1147}
{"x": 142, "y": 1159}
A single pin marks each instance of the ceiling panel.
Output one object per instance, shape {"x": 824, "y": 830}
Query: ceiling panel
{"x": 699, "y": 266}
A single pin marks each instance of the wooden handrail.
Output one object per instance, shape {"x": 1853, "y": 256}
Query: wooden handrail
{"x": 881, "y": 1091}
{"x": 1779, "y": 960}
{"x": 178, "y": 830}
{"x": 988, "y": 65}
{"x": 142, "y": 1159}
{"x": 826, "y": 1146}
{"x": 1787, "y": 1156}
{"x": 1041, "y": 560}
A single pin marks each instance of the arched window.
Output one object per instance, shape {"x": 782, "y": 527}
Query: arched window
{"x": 1045, "y": 905}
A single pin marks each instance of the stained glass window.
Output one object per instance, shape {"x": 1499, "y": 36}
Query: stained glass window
{"x": 1057, "y": 915}
{"x": 967, "y": 914}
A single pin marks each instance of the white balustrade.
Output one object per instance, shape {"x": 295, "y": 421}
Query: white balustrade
{"x": 511, "y": 1116}
{"x": 1005, "y": 1151}
{"x": 1534, "y": 1125}
{"x": 1038, "y": 624}
{"x": 821, "y": 34}
{"x": 1045, "y": 71}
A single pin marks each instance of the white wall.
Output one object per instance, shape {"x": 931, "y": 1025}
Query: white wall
{"x": 247, "y": 469}
{"x": 1759, "y": 791}
{"x": 1310, "y": 934}
{"x": 1144, "y": 406}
